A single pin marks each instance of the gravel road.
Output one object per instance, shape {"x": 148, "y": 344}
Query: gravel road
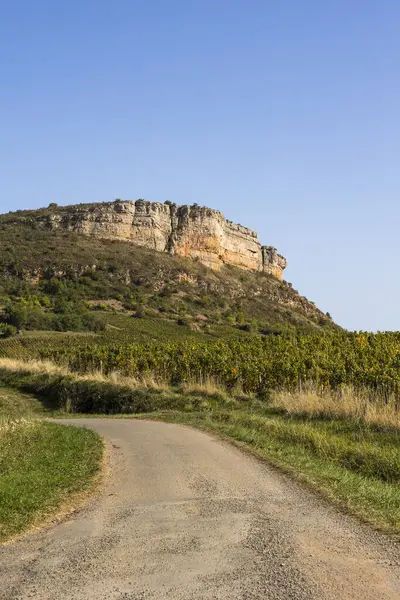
{"x": 183, "y": 515}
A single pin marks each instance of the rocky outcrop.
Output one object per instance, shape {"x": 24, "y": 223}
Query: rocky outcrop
{"x": 193, "y": 231}
{"x": 273, "y": 263}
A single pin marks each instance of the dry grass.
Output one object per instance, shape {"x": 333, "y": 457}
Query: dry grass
{"x": 66, "y": 391}
{"x": 17, "y": 410}
{"x": 8, "y": 425}
{"x": 207, "y": 385}
{"x": 34, "y": 366}
{"x": 147, "y": 381}
{"x": 47, "y": 367}
{"x": 363, "y": 405}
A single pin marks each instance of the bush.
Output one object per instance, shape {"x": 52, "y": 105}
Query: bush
{"x": 182, "y": 322}
{"x": 69, "y": 322}
{"x": 38, "y": 319}
{"x": 16, "y": 314}
{"x": 101, "y": 307}
{"x": 249, "y": 327}
{"x": 240, "y": 318}
{"x": 7, "y": 331}
{"x": 92, "y": 322}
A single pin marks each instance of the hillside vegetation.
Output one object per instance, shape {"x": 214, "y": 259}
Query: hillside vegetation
{"x": 62, "y": 281}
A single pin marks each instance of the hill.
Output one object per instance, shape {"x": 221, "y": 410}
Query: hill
{"x": 62, "y": 279}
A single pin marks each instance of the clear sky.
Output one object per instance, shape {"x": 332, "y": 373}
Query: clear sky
{"x": 282, "y": 114}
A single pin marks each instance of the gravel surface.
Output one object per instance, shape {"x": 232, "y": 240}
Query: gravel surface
{"x": 183, "y": 515}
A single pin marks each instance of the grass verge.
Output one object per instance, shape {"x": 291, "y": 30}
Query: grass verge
{"x": 41, "y": 464}
{"x": 96, "y": 394}
{"x": 15, "y": 405}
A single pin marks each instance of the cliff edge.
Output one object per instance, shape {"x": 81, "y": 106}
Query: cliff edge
{"x": 193, "y": 231}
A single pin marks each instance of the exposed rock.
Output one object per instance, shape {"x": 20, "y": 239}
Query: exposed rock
{"x": 273, "y": 262}
{"x": 197, "y": 232}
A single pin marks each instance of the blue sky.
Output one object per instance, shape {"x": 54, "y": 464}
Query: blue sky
{"x": 284, "y": 115}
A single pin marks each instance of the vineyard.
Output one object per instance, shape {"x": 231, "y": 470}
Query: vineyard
{"x": 256, "y": 364}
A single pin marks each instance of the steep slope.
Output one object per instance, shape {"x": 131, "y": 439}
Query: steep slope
{"x": 51, "y": 271}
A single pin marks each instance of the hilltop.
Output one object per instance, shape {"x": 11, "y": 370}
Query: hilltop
{"x": 74, "y": 268}
{"x": 193, "y": 231}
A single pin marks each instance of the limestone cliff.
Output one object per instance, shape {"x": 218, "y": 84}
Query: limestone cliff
{"x": 193, "y": 231}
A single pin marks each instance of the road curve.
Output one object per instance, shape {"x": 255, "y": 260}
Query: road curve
{"x": 183, "y": 515}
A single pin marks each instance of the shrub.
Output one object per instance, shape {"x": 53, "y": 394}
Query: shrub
{"x": 92, "y": 322}
{"x": 16, "y": 314}
{"x": 182, "y": 322}
{"x": 7, "y": 331}
{"x": 38, "y": 319}
{"x": 69, "y": 322}
{"x": 240, "y": 318}
{"x": 247, "y": 327}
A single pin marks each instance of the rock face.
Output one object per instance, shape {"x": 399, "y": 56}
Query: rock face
{"x": 193, "y": 231}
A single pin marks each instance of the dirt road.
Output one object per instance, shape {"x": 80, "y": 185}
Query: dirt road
{"x": 183, "y": 515}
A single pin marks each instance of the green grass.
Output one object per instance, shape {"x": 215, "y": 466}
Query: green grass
{"x": 41, "y": 464}
{"x": 15, "y": 404}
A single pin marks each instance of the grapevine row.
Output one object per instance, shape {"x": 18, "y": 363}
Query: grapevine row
{"x": 257, "y": 364}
